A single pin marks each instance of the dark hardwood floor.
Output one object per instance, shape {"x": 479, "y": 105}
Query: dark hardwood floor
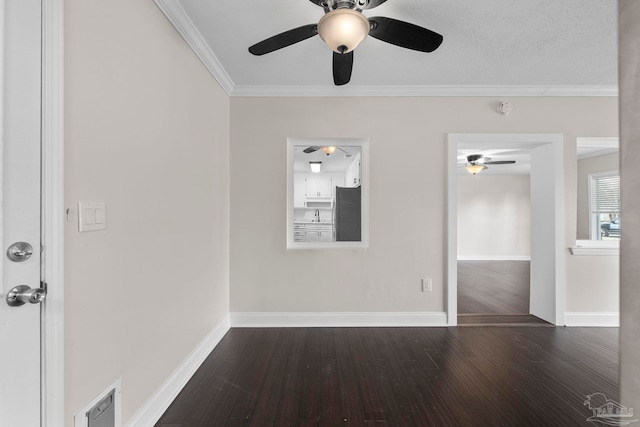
{"x": 492, "y": 376}
{"x": 495, "y": 293}
{"x": 501, "y": 320}
{"x": 493, "y": 287}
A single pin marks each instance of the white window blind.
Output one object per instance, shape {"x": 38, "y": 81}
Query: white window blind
{"x": 605, "y": 194}
{"x": 604, "y": 201}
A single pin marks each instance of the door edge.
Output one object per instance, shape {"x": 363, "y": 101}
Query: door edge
{"x": 52, "y": 319}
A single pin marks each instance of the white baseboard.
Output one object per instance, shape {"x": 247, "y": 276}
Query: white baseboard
{"x": 494, "y": 258}
{"x": 153, "y": 409}
{"x": 331, "y": 319}
{"x": 592, "y": 319}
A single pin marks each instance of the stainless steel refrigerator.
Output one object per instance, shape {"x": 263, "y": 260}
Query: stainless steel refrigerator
{"x": 347, "y": 214}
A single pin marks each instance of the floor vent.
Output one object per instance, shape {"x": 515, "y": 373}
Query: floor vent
{"x": 103, "y": 411}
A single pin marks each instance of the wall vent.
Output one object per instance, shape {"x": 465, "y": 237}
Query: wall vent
{"x": 103, "y": 411}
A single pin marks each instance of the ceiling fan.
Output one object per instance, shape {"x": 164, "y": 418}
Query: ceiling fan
{"x": 343, "y": 27}
{"x": 327, "y": 149}
{"x": 477, "y": 163}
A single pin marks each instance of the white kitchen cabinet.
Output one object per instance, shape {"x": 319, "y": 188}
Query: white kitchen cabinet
{"x": 319, "y": 187}
{"x": 326, "y": 235}
{"x": 319, "y": 232}
{"x": 299, "y": 190}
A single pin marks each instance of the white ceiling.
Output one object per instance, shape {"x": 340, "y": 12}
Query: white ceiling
{"x": 529, "y": 47}
{"x": 339, "y": 161}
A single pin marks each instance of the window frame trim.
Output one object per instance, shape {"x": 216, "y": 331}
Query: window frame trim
{"x": 596, "y": 247}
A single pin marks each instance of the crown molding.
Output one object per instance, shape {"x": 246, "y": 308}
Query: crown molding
{"x": 417, "y": 91}
{"x": 184, "y": 25}
{"x": 178, "y": 17}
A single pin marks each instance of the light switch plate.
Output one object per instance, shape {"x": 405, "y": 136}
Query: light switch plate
{"x": 92, "y": 216}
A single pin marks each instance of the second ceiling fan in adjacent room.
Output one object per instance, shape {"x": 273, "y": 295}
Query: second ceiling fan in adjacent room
{"x": 477, "y": 163}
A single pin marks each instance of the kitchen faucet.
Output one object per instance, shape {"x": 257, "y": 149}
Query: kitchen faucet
{"x": 317, "y": 215}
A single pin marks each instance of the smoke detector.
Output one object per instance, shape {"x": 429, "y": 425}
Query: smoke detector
{"x": 505, "y": 108}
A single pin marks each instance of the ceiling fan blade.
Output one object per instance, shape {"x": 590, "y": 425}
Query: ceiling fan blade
{"x": 310, "y": 149}
{"x": 368, "y": 4}
{"x": 500, "y": 162}
{"x": 342, "y": 67}
{"x": 404, "y": 34}
{"x": 284, "y": 39}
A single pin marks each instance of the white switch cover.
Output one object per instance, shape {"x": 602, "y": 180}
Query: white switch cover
{"x": 92, "y": 216}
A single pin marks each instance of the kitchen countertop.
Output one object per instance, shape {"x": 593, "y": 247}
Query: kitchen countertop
{"x": 306, "y": 221}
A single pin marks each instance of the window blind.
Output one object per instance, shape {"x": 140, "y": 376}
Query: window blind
{"x": 605, "y": 194}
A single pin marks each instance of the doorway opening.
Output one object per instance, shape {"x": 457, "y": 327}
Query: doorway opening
{"x": 526, "y": 287}
{"x": 494, "y": 239}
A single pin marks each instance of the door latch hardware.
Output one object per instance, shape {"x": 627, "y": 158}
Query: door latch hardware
{"x": 23, "y": 294}
{"x": 19, "y": 252}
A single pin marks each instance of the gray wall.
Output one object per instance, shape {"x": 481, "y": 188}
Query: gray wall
{"x": 629, "y": 51}
{"x": 147, "y": 132}
{"x": 408, "y": 198}
{"x": 496, "y": 209}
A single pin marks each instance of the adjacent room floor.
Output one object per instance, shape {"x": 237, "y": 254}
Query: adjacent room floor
{"x": 495, "y": 292}
{"x": 491, "y": 376}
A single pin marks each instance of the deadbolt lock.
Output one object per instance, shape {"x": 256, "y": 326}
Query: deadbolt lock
{"x": 19, "y": 251}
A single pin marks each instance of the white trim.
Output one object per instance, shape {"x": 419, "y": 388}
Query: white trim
{"x": 178, "y": 17}
{"x": 494, "y": 258}
{"x": 606, "y": 320}
{"x": 363, "y": 144}
{"x": 158, "y": 403}
{"x": 52, "y": 210}
{"x": 610, "y": 142}
{"x": 80, "y": 418}
{"x": 413, "y": 91}
{"x": 335, "y": 319}
{"x": 593, "y": 250}
{"x": 560, "y": 253}
{"x": 502, "y": 140}
{"x": 451, "y": 299}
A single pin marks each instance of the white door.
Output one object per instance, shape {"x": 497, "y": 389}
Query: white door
{"x": 20, "y": 95}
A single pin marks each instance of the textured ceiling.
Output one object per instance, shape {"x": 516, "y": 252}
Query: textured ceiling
{"x": 519, "y": 43}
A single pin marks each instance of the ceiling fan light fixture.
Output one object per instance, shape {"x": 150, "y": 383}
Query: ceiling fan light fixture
{"x": 474, "y": 169}
{"x": 328, "y": 150}
{"x": 343, "y": 29}
{"x": 316, "y": 167}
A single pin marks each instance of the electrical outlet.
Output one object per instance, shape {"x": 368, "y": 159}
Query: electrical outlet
{"x": 427, "y": 285}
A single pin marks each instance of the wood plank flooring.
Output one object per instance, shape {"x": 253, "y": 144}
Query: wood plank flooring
{"x": 501, "y": 319}
{"x": 493, "y": 287}
{"x": 492, "y": 376}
